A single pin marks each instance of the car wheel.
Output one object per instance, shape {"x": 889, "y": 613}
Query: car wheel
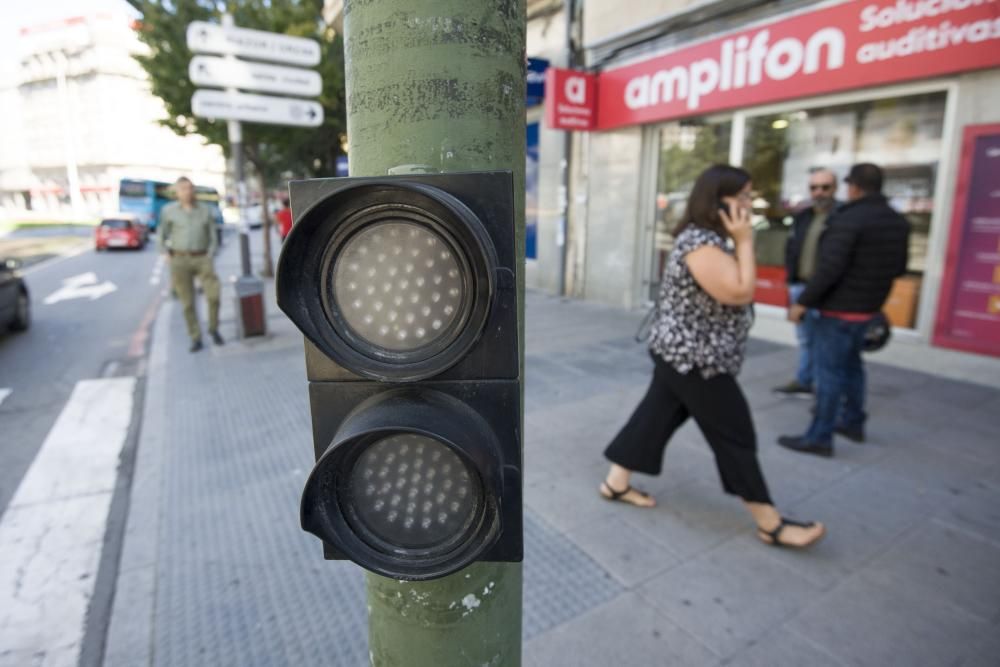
{"x": 22, "y": 312}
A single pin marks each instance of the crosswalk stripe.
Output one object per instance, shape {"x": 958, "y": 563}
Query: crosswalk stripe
{"x": 4, "y": 393}
{"x": 53, "y": 530}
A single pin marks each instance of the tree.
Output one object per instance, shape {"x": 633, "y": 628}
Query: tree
{"x": 275, "y": 152}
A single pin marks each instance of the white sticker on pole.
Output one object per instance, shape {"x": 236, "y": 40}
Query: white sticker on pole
{"x": 256, "y": 108}
{"x": 222, "y": 73}
{"x": 205, "y": 37}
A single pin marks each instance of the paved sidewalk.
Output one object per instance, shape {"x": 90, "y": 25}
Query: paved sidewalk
{"x": 215, "y": 570}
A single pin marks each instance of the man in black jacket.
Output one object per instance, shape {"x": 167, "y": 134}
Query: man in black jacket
{"x": 861, "y": 253}
{"x": 801, "y": 252}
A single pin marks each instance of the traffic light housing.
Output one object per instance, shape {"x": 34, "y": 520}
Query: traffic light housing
{"x": 404, "y": 287}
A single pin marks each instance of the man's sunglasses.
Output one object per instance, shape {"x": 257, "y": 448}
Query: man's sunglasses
{"x": 820, "y": 186}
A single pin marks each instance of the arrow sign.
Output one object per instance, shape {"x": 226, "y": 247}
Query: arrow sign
{"x": 205, "y": 37}
{"x": 82, "y": 286}
{"x": 222, "y": 73}
{"x": 256, "y": 108}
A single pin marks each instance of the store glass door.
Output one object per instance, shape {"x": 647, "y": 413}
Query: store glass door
{"x": 903, "y": 135}
{"x": 687, "y": 148}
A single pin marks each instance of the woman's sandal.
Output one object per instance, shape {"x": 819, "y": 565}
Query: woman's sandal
{"x": 619, "y": 496}
{"x": 775, "y": 535}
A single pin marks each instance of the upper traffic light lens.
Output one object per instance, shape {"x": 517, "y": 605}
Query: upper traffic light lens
{"x": 413, "y": 492}
{"x": 400, "y": 286}
{"x": 393, "y": 280}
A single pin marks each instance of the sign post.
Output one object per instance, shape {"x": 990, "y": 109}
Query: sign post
{"x": 224, "y": 69}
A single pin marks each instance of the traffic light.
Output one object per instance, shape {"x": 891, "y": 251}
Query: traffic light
{"x": 404, "y": 287}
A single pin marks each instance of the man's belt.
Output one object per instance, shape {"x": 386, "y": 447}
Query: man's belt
{"x": 188, "y": 253}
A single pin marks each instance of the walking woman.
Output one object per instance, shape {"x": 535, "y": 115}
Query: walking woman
{"x": 697, "y": 343}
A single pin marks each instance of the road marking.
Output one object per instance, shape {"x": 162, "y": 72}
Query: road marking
{"x": 81, "y": 286}
{"x": 157, "y": 275}
{"x": 53, "y": 530}
{"x": 44, "y": 264}
{"x": 137, "y": 344}
{"x": 4, "y": 393}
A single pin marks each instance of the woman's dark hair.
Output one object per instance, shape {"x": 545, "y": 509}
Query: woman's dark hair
{"x": 716, "y": 182}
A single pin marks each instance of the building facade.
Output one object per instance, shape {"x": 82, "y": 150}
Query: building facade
{"x": 79, "y": 116}
{"x": 781, "y": 88}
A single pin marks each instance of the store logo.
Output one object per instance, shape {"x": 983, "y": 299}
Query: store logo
{"x": 576, "y": 90}
{"x": 742, "y": 62}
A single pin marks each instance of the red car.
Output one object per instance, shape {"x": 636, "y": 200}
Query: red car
{"x": 121, "y": 232}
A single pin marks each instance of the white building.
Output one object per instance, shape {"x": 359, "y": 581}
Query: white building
{"x": 78, "y": 116}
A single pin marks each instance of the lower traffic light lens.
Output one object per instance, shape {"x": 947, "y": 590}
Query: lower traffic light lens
{"x": 413, "y": 492}
{"x": 399, "y": 286}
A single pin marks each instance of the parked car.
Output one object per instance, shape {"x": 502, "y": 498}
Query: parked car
{"x": 15, "y": 302}
{"x": 120, "y": 232}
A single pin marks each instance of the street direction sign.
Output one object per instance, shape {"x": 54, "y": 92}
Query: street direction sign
{"x": 256, "y": 108}
{"x": 229, "y": 73}
{"x": 205, "y": 37}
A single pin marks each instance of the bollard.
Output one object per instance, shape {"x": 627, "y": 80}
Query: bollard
{"x": 250, "y": 320}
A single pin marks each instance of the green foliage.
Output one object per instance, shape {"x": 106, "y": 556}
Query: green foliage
{"x": 273, "y": 150}
{"x": 766, "y": 152}
{"x": 680, "y": 165}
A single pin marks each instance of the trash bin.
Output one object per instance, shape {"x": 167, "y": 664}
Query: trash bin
{"x": 250, "y": 306}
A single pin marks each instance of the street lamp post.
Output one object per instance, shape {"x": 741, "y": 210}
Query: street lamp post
{"x": 441, "y": 83}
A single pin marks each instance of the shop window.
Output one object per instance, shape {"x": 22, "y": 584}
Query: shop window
{"x": 686, "y": 149}
{"x": 902, "y": 135}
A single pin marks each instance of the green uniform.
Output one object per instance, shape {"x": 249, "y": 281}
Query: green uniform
{"x": 188, "y": 235}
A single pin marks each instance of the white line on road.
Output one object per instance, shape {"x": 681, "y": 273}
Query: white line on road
{"x": 4, "y": 393}
{"x": 157, "y": 271}
{"x": 72, "y": 252}
{"x": 82, "y": 286}
{"x": 52, "y": 532}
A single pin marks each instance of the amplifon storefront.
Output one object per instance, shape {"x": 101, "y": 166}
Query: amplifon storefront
{"x": 911, "y": 85}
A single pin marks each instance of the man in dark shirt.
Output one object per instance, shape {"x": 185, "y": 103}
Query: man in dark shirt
{"x": 801, "y": 251}
{"x": 862, "y": 251}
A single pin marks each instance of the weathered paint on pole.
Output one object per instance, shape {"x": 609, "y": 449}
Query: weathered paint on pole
{"x": 441, "y": 83}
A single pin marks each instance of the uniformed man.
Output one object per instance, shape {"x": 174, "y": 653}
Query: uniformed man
{"x": 187, "y": 236}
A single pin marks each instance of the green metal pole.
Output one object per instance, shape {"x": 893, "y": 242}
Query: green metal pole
{"x": 441, "y": 83}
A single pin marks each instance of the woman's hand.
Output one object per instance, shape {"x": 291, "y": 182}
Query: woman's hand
{"x": 737, "y": 222}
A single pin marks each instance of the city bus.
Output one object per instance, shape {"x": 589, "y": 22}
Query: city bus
{"x": 146, "y": 198}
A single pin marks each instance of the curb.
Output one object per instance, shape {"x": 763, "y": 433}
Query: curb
{"x": 130, "y": 637}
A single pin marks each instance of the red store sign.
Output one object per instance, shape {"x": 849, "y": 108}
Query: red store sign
{"x": 850, "y": 45}
{"x": 575, "y": 99}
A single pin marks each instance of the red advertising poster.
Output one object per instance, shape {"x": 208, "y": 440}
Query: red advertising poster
{"x": 570, "y": 99}
{"x": 968, "y": 315}
{"x": 849, "y": 45}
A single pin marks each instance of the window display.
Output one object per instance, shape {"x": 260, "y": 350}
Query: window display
{"x": 902, "y": 135}
{"x": 686, "y": 149}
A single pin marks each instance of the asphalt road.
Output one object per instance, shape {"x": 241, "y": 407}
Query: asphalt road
{"x": 91, "y": 314}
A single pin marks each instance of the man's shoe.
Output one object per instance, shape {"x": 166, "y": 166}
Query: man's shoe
{"x": 195, "y": 345}
{"x": 852, "y": 433}
{"x": 800, "y": 444}
{"x": 796, "y": 389}
{"x": 216, "y": 338}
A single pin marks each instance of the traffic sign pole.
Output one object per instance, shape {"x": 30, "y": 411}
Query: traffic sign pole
{"x": 236, "y": 146}
{"x": 249, "y": 288}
